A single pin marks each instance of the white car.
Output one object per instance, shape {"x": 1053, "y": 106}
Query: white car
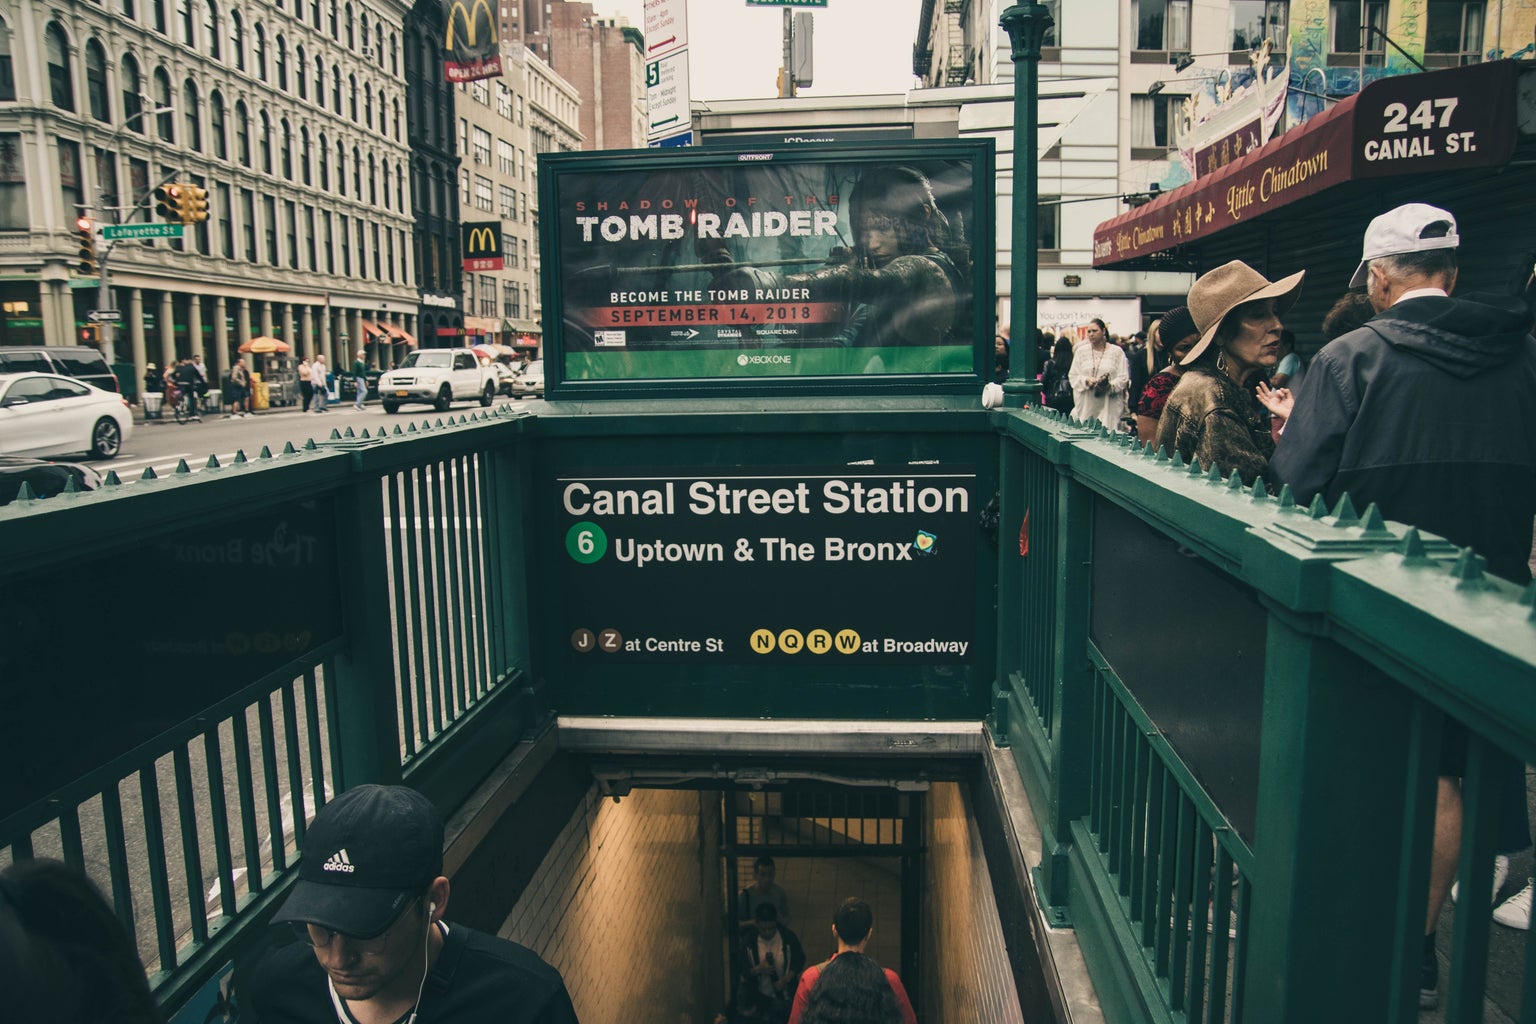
{"x": 438, "y": 377}
{"x": 530, "y": 381}
{"x": 43, "y": 414}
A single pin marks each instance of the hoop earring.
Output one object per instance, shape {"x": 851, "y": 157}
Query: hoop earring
{"x": 1221, "y": 360}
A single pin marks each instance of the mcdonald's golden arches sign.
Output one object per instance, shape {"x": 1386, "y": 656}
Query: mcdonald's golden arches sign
{"x": 482, "y": 245}
{"x": 471, "y": 44}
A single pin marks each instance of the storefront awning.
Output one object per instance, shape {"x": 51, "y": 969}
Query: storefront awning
{"x": 372, "y": 332}
{"x": 1457, "y": 119}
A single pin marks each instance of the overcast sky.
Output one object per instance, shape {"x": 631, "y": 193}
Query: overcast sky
{"x": 734, "y": 51}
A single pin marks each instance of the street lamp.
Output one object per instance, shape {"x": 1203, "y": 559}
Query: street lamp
{"x": 1026, "y": 25}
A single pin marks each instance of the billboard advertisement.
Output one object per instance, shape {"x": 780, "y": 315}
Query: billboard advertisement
{"x": 471, "y": 44}
{"x": 844, "y": 267}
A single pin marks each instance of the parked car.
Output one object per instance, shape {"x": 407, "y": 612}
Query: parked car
{"x": 78, "y": 361}
{"x": 530, "y": 381}
{"x": 438, "y": 377}
{"x": 45, "y": 478}
{"x": 43, "y": 414}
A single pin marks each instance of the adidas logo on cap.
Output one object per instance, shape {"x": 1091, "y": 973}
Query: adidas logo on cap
{"x": 339, "y": 861}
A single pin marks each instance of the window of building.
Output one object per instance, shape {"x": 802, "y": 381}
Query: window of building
{"x": 325, "y": 164}
{"x": 264, "y": 141}
{"x": 242, "y": 134}
{"x": 1048, "y": 221}
{"x": 270, "y": 222}
{"x": 481, "y": 146}
{"x": 1455, "y": 33}
{"x": 319, "y": 82}
{"x": 280, "y": 62}
{"x": 248, "y": 223}
{"x": 7, "y": 71}
{"x": 378, "y": 256}
{"x": 300, "y": 73}
{"x": 237, "y": 40}
{"x": 188, "y": 18}
{"x": 336, "y": 35}
{"x": 344, "y": 234}
{"x": 305, "y": 155}
{"x": 1254, "y": 21}
{"x": 61, "y": 76}
{"x": 483, "y": 194}
{"x": 506, "y": 163}
{"x": 165, "y": 122}
{"x": 133, "y": 89}
{"x": 1344, "y": 29}
{"x": 71, "y": 175}
{"x": 194, "y": 136}
{"x": 128, "y": 11}
{"x": 1161, "y": 24}
{"x": 158, "y": 11}
{"x": 389, "y": 253}
{"x": 464, "y": 188}
{"x": 352, "y": 88}
{"x": 519, "y": 104}
{"x": 463, "y": 137}
{"x": 395, "y": 107}
{"x": 394, "y": 55}
{"x": 96, "y": 81}
{"x": 336, "y": 88}
{"x": 373, "y": 182}
{"x": 506, "y": 202}
{"x": 286, "y": 153}
{"x": 291, "y": 232}
{"x": 351, "y": 37}
{"x": 341, "y": 168}
{"x": 400, "y": 187}
{"x": 357, "y": 174}
{"x": 325, "y": 243}
{"x": 106, "y": 177}
{"x": 226, "y": 218}
{"x": 523, "y": 244}
{"x": 503, "y": 100}
{"x": 1154, "y": 125}
{"x": 259, "y": 51}
{"x": 216, "y": 127}
{"x": 212, "y": 30}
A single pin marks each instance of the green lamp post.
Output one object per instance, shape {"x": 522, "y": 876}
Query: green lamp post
{"x": 1026, "y": 25}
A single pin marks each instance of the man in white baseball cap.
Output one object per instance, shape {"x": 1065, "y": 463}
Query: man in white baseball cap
{"x": 1425, "y": 411}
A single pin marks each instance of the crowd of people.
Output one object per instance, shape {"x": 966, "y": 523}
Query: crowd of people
{"x": 1415, "y": 403}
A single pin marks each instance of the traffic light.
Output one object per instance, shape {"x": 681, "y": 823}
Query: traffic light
{"x": 168, "y": 202}
{"x": 86, "y": 230}
{"x": 194, "y": 204}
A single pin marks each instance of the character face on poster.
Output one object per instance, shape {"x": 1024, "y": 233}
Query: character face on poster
{"x": 771, "y": 265}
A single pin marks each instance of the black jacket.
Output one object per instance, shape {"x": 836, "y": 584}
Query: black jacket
{"x": 1429, "y": 410}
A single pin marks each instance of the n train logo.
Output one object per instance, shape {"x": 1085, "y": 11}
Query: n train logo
{"x": 482, "y": 245}
{"x": 474, "y": 51}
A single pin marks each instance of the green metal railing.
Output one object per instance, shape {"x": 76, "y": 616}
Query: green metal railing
{"x": 191, "y": 832}
{"x": 1197, "y": 897}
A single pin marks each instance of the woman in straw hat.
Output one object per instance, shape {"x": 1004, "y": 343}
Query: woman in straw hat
{"x": 1212, "y": 415}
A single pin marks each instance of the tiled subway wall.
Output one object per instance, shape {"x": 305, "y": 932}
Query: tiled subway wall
{"x": 627, "y": 906}
{"x": 966, "y": 974}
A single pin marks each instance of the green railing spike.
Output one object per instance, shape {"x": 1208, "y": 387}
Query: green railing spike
{"x": 1412, "y": 547}
{"x": 411, "y": 428}
{"x": 1286, "y": 498}
{"x": 25, "y": 492}
{"x": 1344, "y": 512}
{"x": 1318, "y": 508}
{"x": 111, "y": 479}
{"x": 440, "y": 421}
{"x": 1163, "y": 455}
{"x": 1258, "y": 491}
{"x": 265, "y": 453}
{"x": 1177, "y": 458}
{"x": 1195, "y": 469}
{"x": 1235, "y": 481}
{"x": 240, "y": 458}
{"x": 335, "y": 435}
{"x": 1469, "y": 567}
{"x": 1212, "y": 475}
{"x": 182, "y": 469}
{"x": 72, "y": 485}
{"x": 365, "y": 433}
{"x": 1373, "y": 521}
{"x": 289, "y": 449}
{"x": 349, "y": 433}
{"x": 148, "y": 474}
{"x": 397, "y": 431}
{"x": 310, "y": 445}
{"x": 212, "y": 463}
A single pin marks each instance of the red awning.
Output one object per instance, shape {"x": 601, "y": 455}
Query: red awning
{"x": 1408, "y": 124}
{"x": 371, "y": 331}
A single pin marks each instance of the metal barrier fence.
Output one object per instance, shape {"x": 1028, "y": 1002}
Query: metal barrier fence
{"x": 190, "y": 827}
{"x": 1241, "y": 830}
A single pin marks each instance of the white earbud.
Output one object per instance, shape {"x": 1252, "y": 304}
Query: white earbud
{"x": 431, "y": 908}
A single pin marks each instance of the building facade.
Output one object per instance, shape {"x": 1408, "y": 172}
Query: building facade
{"x": 604, "y": 58}
{"x": 434, "y": 170}
{"x": 504, "y": 123}
{"x": 292, "y": 117}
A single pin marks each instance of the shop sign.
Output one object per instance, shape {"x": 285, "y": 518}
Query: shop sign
{"x": 1455, "y": 119}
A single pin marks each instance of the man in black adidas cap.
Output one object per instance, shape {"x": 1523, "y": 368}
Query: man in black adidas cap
{"x": 374, "y": 949}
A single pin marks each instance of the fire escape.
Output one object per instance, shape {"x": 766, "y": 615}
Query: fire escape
{"x": 957, "y": 69}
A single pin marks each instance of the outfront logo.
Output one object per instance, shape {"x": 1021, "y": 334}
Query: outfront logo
{"x": 339, "y": 861}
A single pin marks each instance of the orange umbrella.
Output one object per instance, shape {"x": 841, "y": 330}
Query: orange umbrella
{"x": 265, "y": 345}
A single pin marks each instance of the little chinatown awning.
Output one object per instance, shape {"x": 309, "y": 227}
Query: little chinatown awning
{"x": 1457, "y": 119}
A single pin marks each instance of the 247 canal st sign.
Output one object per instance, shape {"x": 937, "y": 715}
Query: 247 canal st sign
{"x": 1457, "y": 119}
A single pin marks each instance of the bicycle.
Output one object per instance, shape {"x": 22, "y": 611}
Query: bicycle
{"x": 180, "y": 402}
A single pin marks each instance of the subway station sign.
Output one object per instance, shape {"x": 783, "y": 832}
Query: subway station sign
{"x": 1456, "y": 119}
{"x": 836, "y": 566}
